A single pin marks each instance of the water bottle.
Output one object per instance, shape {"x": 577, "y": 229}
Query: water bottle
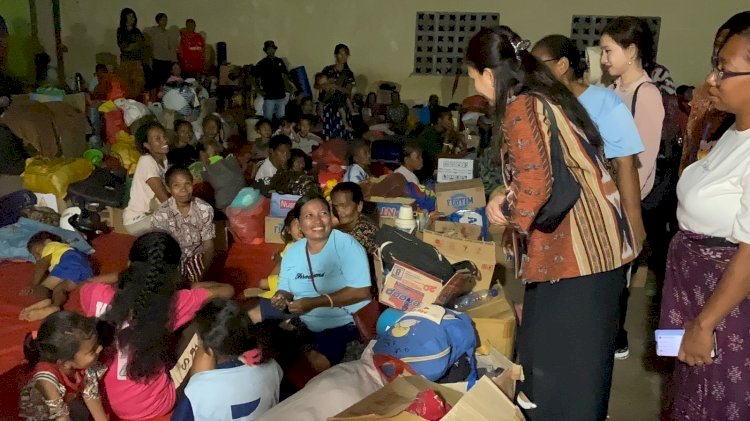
{"x": 79, "y": 82}
{"x": 474, "y": 299}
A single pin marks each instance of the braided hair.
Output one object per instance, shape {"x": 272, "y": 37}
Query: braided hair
{"x": 143, "y": 304}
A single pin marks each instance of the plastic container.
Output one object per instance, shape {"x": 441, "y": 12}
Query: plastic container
{"x": 474, "y": 299}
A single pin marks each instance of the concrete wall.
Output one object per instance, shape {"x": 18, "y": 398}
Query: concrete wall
{"x": 380, "y": 33}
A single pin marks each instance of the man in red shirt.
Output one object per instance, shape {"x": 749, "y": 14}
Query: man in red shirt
{"x": 192, "y": 51}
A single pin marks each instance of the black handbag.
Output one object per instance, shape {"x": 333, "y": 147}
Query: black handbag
{"x": 565, "y": 188}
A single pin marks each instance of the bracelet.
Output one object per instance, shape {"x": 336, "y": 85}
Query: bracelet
{"x": 330, "y": 300}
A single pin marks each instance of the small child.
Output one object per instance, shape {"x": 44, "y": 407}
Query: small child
{"x": 212, "y": 130}
{"x": 411, "y": 160}
{"x": 176, "y": 74}
{"x": 299, "y": 161}
{"x": 264, "y": 129}
{"x": 64, "y": 355}
{"x": 209, "y": 152}
{"x": 289, "y": 235}
{"x": 234, "y": 378}
{"x": 190, "y": 221}
{"x": 306, "y": 140}
{"x": 360, "y": 156}
{"x": 182, "y": 152}
{"x": 287, "y": 129}
{"x": 66, "y": 268}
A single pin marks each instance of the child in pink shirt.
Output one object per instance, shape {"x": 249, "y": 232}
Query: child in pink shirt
{"x": 144, "y": 307}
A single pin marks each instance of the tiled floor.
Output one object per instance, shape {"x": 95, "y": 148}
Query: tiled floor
{"x": 638, "y": 381}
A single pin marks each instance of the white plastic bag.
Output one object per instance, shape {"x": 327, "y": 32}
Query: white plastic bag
{"x": 132, "y": 110}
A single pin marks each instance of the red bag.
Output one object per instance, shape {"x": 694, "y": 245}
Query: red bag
{"x": 248, "y": 225}
{"x": 331, "y": 152}
{"x": 114, "y": 121}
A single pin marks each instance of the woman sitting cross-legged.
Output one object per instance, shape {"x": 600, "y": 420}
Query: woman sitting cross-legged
{"x": 325, "y": 279}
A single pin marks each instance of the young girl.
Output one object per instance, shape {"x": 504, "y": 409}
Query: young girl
{"x": 299, "y": 161}
{"x": 359, "y": 162}
{"x": 64, "y": 355}
{"x": 212, "y": 131}
{"x": 260, "y": 146}
{"x": 190, "y": 220}
{"x": 182, "y": 152}
{"x": 65, "y": 267}
{"x": 289, "y": 234}
{"x": 145, "y": 307}
{"x": 147, "y": 189}
{"x": 286, "y": 128}
{"x": 233, "y": 376}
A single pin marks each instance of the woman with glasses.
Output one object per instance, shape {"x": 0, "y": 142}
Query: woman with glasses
{"x": 706, "y": 122}
{"x": 708, "y": 271}
{"x": 627, "y": 48}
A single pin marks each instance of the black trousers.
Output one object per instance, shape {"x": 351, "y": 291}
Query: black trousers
{"x": 160, "y": 72}
{"x": 566, "y": 346}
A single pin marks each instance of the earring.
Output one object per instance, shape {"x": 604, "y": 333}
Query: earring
{"x": 629, "y": 62}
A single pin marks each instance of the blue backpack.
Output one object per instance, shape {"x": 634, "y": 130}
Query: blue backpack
{"x": 429, "y": 340}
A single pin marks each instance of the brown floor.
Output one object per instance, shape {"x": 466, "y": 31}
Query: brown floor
{"x": 638, "y": 381}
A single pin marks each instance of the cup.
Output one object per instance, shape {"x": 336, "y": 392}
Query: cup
{"x": 405, "y": 212}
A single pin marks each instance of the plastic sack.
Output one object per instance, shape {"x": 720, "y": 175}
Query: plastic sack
{"x": 53, "y": 175}
{"x": 124, "y": 149}
{"x": 332, "y": 152}
{"x": 248, "y": 225}
{"x": 246, "y": 198}
{"x": 132, "y": 110}
{"x": 114, "y": 122}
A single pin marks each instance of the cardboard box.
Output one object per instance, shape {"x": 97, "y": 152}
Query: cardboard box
{"x": 496, "y": 234}
{"x": 458, "y": 195}
{"x": 387, "y": 207}
{"x": 274, "y": 227}
{"x": 450, "y": 169}
{"x": 485, "y": 401}
{"x": 495, "y": 322}
{"x": 455, "y": 249}
{"x": 281, "y": 204}
{"x": 458, "y": 230}
{"x": 406, "y": 287}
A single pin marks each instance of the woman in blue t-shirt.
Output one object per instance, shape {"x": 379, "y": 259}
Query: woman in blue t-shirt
{"x": 622, "y": 143}
{"x": 324, "y": 278}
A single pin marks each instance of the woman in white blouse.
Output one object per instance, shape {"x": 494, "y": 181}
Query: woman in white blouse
{"x": 708, "y": 271}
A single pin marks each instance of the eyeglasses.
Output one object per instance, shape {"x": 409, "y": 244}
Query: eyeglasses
{"x": 720, "y": 74}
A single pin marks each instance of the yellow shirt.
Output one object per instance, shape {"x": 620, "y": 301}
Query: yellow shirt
{"x": 273, "y": 280}
{"x": 56, "y": 250}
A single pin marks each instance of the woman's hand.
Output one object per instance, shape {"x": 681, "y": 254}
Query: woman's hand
{"x": 494, "y": 212}
{"x": 697, "y": 344}
{"x": 301, "y": 306}
{"x": 281, "y": 300}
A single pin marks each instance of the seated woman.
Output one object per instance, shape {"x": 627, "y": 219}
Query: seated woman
{"x": 324, "y": 279}
{"x": 190, "y": 221}
{"x": 147, "y": 190}
{"x": 347, "y": 200}
{"x": 144, "y": 307}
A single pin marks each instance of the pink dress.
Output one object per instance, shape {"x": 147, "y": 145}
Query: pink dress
{"x": 130, "y": 399}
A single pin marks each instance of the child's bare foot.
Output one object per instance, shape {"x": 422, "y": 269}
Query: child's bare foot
{"x": 317, "y": 361}
{"x": 36, "y": 306}
{"x": 31, "y": 314}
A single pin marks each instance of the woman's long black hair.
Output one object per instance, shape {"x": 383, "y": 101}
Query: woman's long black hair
{"x": 631, "y": 30}
{"x": 124, "y": 19}
{"x": 144, "y": 300}
{"x": 516, "y": 73}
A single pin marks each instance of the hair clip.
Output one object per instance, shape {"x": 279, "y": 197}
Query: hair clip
{"x": 519, "y": 46}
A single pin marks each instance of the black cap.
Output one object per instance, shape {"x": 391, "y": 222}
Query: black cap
{"x": 269, "y": 44}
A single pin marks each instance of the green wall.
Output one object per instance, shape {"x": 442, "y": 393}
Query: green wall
{"x": 20, "y": 46}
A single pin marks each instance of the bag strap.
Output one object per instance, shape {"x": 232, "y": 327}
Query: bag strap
{"x": 635, "y": 98}
{"x": 309, "y": 267}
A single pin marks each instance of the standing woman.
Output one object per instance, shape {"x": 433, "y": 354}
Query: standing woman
{"x": 339, "y": 72}
{"x": 574, "y": 267}
{"x": 132, "y": 47}
{"x": 708, "y": 272}
{"x": 622, "y": 143}
{"x": 627, "y": 47}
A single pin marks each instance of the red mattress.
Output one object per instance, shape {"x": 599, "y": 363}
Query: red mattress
{"x": 243, "y": 266}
